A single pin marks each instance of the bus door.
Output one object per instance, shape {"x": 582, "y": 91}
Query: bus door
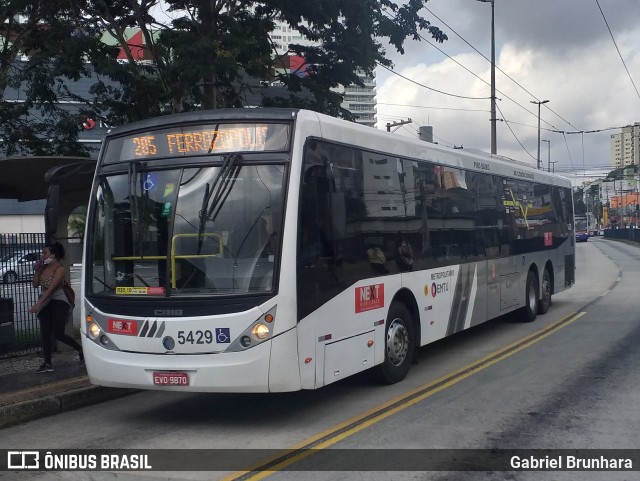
{"x": 509, "y": 234}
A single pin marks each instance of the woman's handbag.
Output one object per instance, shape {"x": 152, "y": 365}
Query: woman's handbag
{"x": 69, "y": 292}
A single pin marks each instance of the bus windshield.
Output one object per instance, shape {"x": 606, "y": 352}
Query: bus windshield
{"x": 211, "y": 230}
{"x": 581, "y": 224}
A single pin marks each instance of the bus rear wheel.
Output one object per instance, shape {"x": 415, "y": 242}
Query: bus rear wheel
{"x": 545, "y": 294}
{"x": 530, "y": 308}
{"x": 400, "y": 345}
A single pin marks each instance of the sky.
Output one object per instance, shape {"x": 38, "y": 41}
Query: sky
{"x": 555, "y": 50}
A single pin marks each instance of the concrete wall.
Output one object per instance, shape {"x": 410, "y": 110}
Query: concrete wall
{"x": 12, "y": 224}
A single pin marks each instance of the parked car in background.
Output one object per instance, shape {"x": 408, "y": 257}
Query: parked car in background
{"x": 17, "y": 266}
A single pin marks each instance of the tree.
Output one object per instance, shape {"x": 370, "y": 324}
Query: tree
{"x": 57, "y": 43}
{"x": 77, "y": 222}
{"x": 233, "y": 40}
{"x": 211, "y": 54}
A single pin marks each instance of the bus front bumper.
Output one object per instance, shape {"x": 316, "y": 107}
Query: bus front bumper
{"x": 245, "y": 371}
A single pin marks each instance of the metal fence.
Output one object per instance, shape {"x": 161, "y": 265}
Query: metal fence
{"x": 632, "y": 234}
{"x": 19, "y": 329}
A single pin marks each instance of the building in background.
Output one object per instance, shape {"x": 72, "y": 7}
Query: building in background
{"x": 625, "y": 146}
{"x": 360, "y": 101}
{"x": 21, "y": 216}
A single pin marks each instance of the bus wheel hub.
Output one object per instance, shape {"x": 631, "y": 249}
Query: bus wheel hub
{"x": 397, "y": 343}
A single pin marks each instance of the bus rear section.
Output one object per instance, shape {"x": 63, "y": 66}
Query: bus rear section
{"x": 402, "y": 244}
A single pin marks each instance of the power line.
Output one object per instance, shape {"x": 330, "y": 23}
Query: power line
{"x": 430, "y": 88}
{"x": 514, "y": 135}
{"x": 487, "y": 83}
{"x": 552, "y": 130}
{"x": 433, "y": 108}
{"x": 501, "y": 71}
{"x": 413, "y": 130}
{"x": 568, "y": 150}
{"x": 616, "y": 45}
{"x": 449, "y": 144}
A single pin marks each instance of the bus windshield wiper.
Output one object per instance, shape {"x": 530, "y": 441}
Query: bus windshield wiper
{"x": 135, "y": 204}
{"x": 217, "y": 193}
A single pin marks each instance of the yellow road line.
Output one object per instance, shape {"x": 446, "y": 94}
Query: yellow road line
{"x": 341, "y": 431}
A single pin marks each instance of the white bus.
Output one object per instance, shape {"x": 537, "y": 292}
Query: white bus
{"x": 265, "y": 250}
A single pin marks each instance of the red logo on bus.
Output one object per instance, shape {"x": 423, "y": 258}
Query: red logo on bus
{"x": 123, "y": 326}
{"x": 369, "y": 297}
{"x": 548, "y": 241}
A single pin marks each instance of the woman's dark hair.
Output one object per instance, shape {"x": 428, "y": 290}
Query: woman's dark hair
{"x": 56, "y": 249}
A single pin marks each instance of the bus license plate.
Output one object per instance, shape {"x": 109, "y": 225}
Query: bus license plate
{"x": 170, "y": 378}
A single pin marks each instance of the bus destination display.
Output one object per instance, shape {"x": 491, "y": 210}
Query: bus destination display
{"x": 200, "y": 140}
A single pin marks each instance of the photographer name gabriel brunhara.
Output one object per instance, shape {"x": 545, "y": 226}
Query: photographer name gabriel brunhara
{"x": 568, "y": 462}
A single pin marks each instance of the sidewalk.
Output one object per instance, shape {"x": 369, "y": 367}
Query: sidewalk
{"x": 26, "y": 395}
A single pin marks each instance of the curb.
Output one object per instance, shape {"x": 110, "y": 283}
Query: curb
{"x": 49, "y": 405}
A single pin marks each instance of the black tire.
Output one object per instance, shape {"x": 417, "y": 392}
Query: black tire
{"x": 531, "y": 296}
{"x": 545, "y": 293}
{"x": 400, "y": 345}
{"x": 10, "y": 277}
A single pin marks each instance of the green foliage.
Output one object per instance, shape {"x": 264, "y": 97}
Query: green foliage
{"x": 211, "y": 54}
{"x": 77, "y": 222}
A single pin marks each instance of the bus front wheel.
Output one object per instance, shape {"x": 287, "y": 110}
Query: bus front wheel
{"x": 400, "y": 345}
{"x": 530, "y": 308}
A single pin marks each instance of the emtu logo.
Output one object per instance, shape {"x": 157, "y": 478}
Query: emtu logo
{"x": 23, "y": 460}
{"x": 439, "y": 288}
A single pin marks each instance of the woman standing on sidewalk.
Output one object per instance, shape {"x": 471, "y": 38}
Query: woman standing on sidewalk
{"x": 52, "y": 306}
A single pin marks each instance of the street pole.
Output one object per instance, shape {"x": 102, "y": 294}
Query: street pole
{"x": 548, "y": 154}
{"x": 494, "y": 119}
{"x": 494, "y": 147}
{"x": 397, "y": 124}
{"x": 539, "y": 102}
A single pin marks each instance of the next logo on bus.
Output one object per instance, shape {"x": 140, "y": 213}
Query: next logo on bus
{"x": 123, "y": 326}
{"x": 369, "y": 297}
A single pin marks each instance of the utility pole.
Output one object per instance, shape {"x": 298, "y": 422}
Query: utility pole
{"x": 548, "y": 154}
{"x": 494, "y": 119}
{"x": 539, "y": 102}
{"x": 397, "y": 124}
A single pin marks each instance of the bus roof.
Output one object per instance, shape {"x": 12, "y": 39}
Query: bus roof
{"x": 349, "y": 133}
{"x": 379, "y": 140}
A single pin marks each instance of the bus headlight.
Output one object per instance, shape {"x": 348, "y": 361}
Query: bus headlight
{"x": 94, "y": 330}
{"x": 258, "y": 332}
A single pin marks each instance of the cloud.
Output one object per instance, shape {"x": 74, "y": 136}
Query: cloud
{"x": 555, "y": 50}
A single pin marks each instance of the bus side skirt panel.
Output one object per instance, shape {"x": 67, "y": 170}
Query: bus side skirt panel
{"x": 284, "y": 374}
{"x": 307, "y": 347}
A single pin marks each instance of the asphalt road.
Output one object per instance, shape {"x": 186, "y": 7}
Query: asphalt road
{"x": 567, "y": 381}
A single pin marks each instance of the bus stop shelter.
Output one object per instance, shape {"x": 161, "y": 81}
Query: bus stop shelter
{"x": 28, "y": 178}
{"x": 65, "y": 183}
